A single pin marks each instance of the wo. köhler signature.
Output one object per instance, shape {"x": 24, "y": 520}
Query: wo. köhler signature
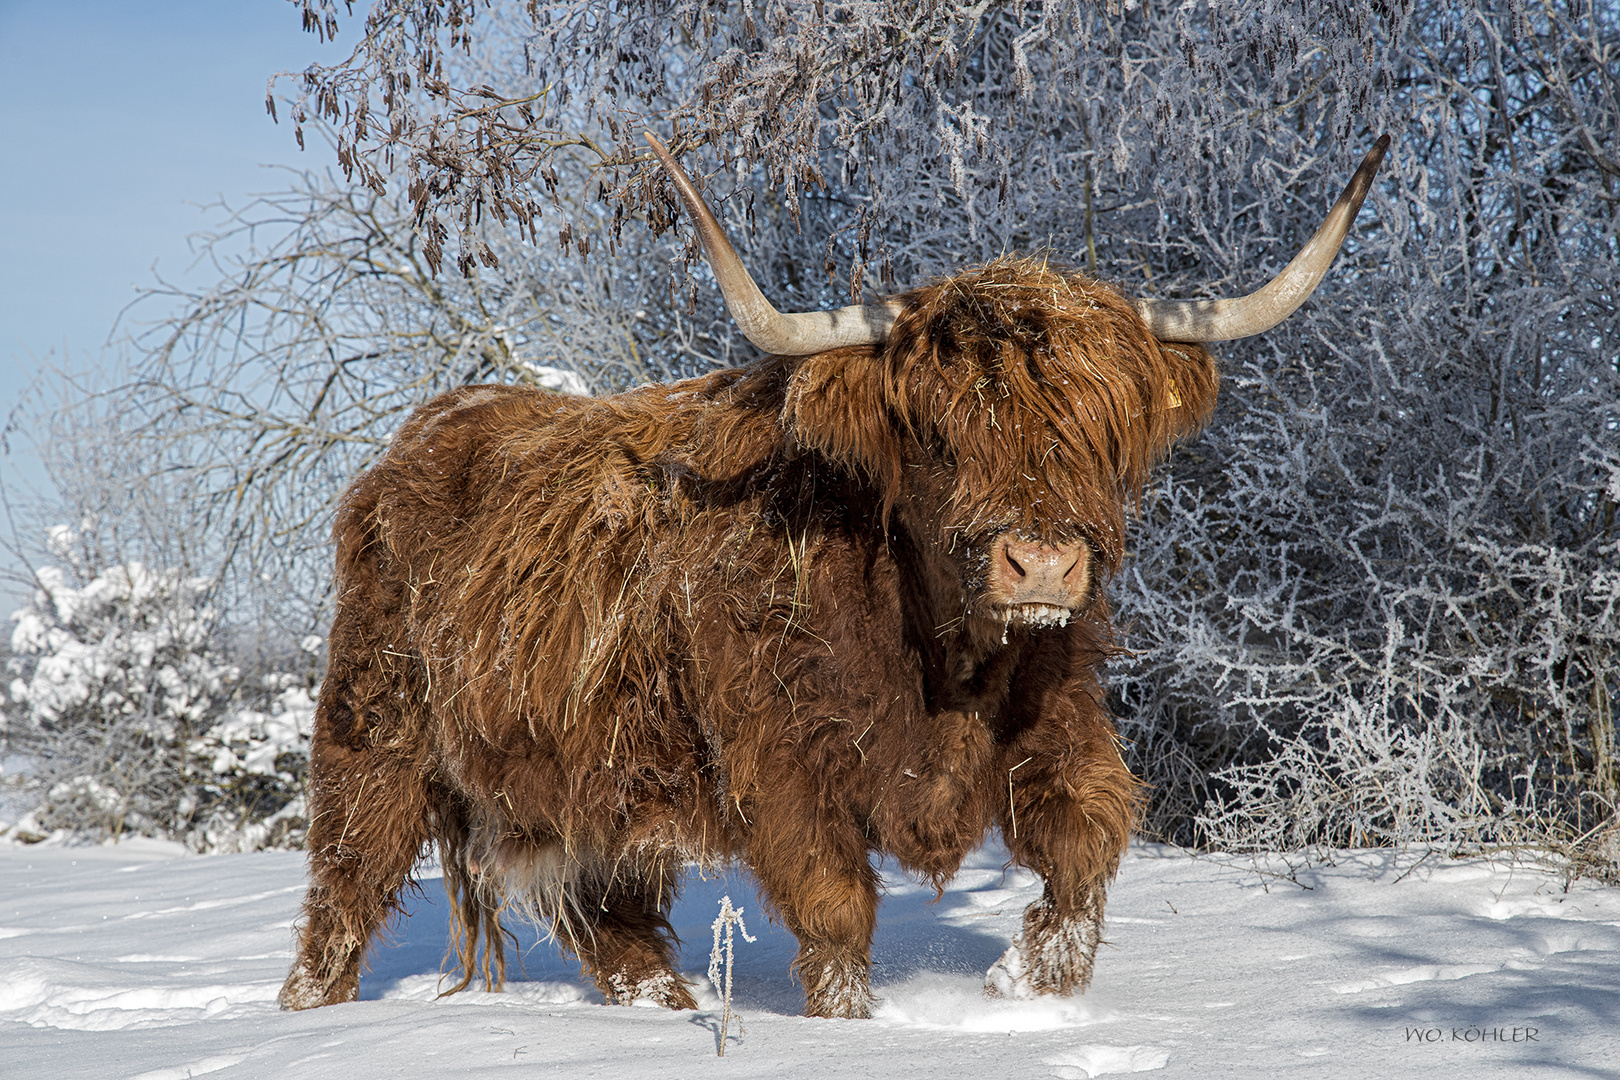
{"x": 1473, "y": 1033}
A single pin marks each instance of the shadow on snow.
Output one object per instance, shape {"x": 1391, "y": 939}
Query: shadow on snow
{"x": 915, "y": 936}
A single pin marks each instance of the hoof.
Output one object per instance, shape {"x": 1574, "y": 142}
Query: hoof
{"x": 843, "y": 993}
{"x": 1007, "y": 977}
{"x": 1054, "y": 955}
{"x": 303, "y": 991}
{"x": 664, "y": 989}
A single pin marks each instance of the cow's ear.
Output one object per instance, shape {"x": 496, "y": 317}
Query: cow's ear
{"x": 838, "y": 404}
{"x": 1189, "y": 388}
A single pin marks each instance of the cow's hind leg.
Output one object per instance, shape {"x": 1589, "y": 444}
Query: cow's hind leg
{"x": 614, "y": 920}
{"x": 368, "y": 823}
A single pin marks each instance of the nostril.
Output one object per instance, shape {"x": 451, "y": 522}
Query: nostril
{"x": 1012, "y": 562}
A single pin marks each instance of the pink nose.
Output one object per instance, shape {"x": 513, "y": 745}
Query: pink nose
{"x": 1031, "y": 572}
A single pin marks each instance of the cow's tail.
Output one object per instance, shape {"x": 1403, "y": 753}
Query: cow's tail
{"x": 477, "y": 939}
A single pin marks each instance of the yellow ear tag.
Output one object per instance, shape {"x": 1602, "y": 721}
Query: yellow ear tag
{"x": 1174, "y": 395}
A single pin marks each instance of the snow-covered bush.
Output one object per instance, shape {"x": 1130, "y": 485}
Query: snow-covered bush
{"x": 134, "y": 718}
{"x": 132, "y": 643}
{"x": 254, "y": 757}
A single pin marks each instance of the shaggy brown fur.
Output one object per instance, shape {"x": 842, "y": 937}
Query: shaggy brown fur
{"x": 581, "y": 642}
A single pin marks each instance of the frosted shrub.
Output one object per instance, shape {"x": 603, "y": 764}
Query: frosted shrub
{"x": 128, "y": 644}
{"x": 255, "y": 759}
{"x": 248, "y": 742}
{"x": 1341, "y": 644}
{"x": 136, "y": 720}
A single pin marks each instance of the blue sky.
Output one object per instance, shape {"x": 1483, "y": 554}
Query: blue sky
{"x": 121, "y": 119}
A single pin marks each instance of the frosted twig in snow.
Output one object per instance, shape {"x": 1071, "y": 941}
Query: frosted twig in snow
{"x": 729, "y": 919}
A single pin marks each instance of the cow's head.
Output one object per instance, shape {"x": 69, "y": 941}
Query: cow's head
{"x": 1008, "y": 413}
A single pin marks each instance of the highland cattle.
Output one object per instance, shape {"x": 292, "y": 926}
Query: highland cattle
{"x": 846, "y": 599}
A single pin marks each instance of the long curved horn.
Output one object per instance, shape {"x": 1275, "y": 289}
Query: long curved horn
{"x": 1227, "y": 320}
{"x": 792, "y": 334}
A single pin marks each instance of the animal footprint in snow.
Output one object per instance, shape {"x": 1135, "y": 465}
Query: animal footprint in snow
{"x": 1088, "y": 1061}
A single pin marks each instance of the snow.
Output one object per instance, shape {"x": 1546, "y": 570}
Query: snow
{"x": 137, "y": 961}
{"x": 561, "y": 380}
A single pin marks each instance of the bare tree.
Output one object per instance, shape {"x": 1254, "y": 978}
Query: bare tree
{"x": 996, "y": 109}
{"x": 273, "y": 387}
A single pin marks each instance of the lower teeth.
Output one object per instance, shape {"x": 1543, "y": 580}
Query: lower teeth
{"x": 1037, "y": 615}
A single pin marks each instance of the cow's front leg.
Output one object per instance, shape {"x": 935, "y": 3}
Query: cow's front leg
{"x": 1066, "y": 814}
{"x": 1055, "y": 951}
{"x": 810, "y": 858}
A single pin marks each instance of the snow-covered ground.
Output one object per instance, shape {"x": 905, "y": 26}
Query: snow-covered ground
{"x": 132, "y": 961}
